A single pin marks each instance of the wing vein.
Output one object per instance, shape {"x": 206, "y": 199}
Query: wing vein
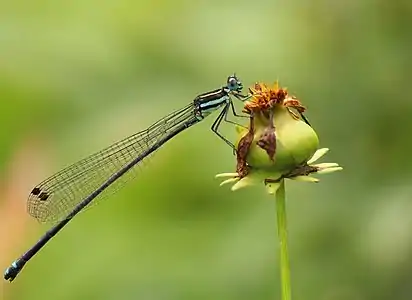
{"x": 67, "y": 188}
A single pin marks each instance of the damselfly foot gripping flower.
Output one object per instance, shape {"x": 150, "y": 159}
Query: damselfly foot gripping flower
{"x": 277, "y": 144}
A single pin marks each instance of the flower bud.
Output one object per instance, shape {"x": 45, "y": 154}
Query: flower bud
{"x": 278, "y": 128}
{"x": 277, "y": 144}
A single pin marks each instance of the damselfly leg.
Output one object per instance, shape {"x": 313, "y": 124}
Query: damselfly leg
{"x": 232, "y": 106}
{"x": 304, "y": 118}
{"x": 218, "y": 121}
{"x": 223, "y": 115}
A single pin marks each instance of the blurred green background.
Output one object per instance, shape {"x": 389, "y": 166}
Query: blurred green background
{"x": 76, "y": 76}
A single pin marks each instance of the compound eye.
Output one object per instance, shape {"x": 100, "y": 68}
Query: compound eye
{"x": 232, "y": 83}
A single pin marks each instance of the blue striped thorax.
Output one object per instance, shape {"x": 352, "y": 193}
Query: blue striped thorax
{"x": 208, "y": 102}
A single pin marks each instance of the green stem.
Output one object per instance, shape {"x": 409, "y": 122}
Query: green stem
{"x": 283, "y": 240}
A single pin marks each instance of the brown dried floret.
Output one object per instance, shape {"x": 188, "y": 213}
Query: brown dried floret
{"x": 264, "y": 98}
{"x": 243, "y": 149}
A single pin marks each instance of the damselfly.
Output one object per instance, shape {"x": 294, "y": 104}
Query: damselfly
{"x": 62, "y": 196}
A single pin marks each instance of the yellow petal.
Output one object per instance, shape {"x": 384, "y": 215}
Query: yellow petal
{"x": 305, "y": 179}
{"x": 330, "y": 170}
{"x": 318, "y": 154}
{"x": 227, "y": 175}
{"x": 245, "y": 181}
{"x": 229, "y": 181}
{"x": 325, "y": 165}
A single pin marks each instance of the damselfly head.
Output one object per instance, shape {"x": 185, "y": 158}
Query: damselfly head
{"x": 234, "y": 84}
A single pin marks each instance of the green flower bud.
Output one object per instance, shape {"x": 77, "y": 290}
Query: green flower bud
{"x": 276, "y": 144}
{"x": 296, "y": 141}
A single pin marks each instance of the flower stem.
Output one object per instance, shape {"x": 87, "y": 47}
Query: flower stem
{"x": 283, "y": 240}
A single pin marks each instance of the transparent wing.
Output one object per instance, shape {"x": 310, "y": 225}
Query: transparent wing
{"x": 55, "y": 197}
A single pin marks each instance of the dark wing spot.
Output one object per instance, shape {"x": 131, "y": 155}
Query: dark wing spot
{"x": 35, "y": 191}
{"x": 43, "y": 196}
